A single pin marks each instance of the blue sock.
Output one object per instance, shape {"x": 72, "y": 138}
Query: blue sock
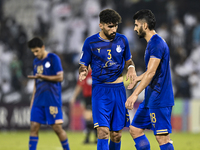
{"x": 114, "y": 146}
{"x": 33, "y": 140}
{"x": 102, "y": 144}
{"x": 142, "y": 143}
{"x": 65, "y": 144}
{"x": 167, "y": 146}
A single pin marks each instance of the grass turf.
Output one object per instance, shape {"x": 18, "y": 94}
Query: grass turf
{"x": 18, "y": 140}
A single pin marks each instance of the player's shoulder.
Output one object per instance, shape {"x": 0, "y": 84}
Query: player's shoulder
{"x": 52, "y": 55}
{"x": 119, "y": 35}
{"x": 158, "y": 39}
{"x": 36, "y": 60}
{"x": 92, "y": 38}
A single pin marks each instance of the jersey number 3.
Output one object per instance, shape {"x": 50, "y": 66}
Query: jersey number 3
{"x": 109, "y": 54}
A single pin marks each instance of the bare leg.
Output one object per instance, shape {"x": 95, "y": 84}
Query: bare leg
{"x": 103, "y": 135}
{"x": 33, "y": 139}
{"x": 115, "y": 140}
{"x": 35, "y": 127}
{"x": 60, "y": 132}
{"x": 141, "y": 141}
{"x": 61, "y": 135}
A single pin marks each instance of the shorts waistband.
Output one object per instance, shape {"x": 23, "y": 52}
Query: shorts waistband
{"x": 113, "y": 85}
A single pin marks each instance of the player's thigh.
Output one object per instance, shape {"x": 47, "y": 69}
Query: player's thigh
{"x": 120, "y": 115}
{"x": 87, "y": 114}
{"x": 54, "y": 115}
{"x": 161, "y": 120}
{"x": 88, "y": 102}
{"x": 38, "y": 114}
{"x": 142, "y": 119}
{"x": 102, "y": 106}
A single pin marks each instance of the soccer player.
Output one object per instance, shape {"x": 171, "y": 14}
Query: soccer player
{"x": 108, "y": 53}
{"x": 86, "y": 87}
{"x": 155, "y": 111}
{"x": 46, "y": 103}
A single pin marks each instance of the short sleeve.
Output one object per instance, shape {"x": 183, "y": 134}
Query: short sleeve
{"x": 156, "y": 51}
{"x": 57, "y": 66}
{"x": 127, "y": 52}
{"x": 86, "y": 53}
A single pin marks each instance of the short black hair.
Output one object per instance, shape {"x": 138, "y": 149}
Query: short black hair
{"x": 35, "y": 42}
{"x": 109, "y": 16}
{"x": 148, "y": 16}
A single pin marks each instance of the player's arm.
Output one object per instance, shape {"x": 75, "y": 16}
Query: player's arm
{"x": 148, "y": 75}
{"x": 83, "y": 71}
{"x": 77, "y": 91}
{"x": 131, "y": 73}
{"x": 145, "y": 80}
{"x": 54, "y": 78}
{"x": 33, "y": 95}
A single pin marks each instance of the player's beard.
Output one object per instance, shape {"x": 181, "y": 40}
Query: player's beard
{"x": 141, "y": 33}
{"x": 109, "y": 36}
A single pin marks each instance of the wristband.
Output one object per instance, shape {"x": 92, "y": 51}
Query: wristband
{"x": 131, "y": 66}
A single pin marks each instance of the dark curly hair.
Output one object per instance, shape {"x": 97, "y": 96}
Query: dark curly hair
{"x": 148, "y": 16}
{"x": 35, "y": 42}
{"x": 109, "y": 16}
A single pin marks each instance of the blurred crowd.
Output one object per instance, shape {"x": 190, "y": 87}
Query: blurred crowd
{"x": 64, "y": 25}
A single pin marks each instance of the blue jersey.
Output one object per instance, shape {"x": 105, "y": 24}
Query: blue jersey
{"x": 159, "y": 92}
{"x": 48, "y": 93}
{"x": 107, "y": 58}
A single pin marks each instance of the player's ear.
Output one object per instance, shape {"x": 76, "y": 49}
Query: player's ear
{"x": 145, "y": 25}
{"x": 43, "y": 47}
{"x": 100, "y": 25}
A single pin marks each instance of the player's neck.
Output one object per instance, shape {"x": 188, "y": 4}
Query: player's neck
{"x": 103, "y": 36}
{"x": 149, "y": 34}
{"x": 45, "y": 54}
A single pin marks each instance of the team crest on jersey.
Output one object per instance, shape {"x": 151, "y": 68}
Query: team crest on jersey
{"x": 47, "y": 64}
{"x": 118, "y": 49}
{"x": 40, "y": 69}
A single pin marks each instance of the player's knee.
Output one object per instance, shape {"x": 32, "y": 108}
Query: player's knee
{"x": 163, "y": 139}
{"x": 34, "y": 129}
{"x": 103, "y": 132}
{"x": 135, "y": 132}
{"x": 57, "y": 128}
{"x": 116, "y": 136}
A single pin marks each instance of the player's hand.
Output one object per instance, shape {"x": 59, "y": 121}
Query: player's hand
{"x": 35, "y": 76}
{"x": 131, "y": 75}
{"x": 130, "y": 101}
{"x": 83, "y": 75}
{"x": 32, "y": 77}
{"x": 133, "y": 83}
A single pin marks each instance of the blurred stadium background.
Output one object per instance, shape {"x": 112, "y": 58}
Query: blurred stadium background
{"x": 64, "y": 25}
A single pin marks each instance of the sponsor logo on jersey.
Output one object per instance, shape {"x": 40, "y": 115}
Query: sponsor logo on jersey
{"x": 98, "y": 50}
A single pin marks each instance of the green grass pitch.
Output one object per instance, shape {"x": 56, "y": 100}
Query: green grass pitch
{"x": 18, "y": 140}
